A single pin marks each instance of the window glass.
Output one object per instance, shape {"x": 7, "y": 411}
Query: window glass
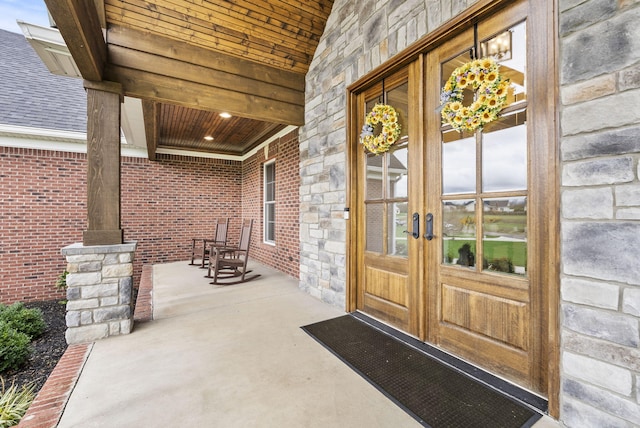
{"x": 509, "y": 49}
{"x": 387, "y": 184}
{"x": 270, "y": 224}
{"x": 504, "y": 240}
{"x": 398, "y": 99}
{"x": 374, "y": 177}
{"x": 397, "y": 172}
{"x": 504, "y": 154}
{"x": 269, "y": 202}
{"x": 398, "y": 223}
{"x": 374, "y": 227}
{"x": 497, "y": 156}
{"x": 459, "y": 232}
{"x": 459, "y": 166}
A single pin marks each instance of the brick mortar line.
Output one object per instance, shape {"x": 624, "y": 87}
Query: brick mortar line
{"x": 49, "y": 415}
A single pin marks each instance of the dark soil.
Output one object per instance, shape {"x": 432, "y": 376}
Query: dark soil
{"x": 47, "y": 349}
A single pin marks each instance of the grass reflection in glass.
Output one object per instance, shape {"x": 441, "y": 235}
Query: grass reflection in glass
{"x": 504, "y": 242}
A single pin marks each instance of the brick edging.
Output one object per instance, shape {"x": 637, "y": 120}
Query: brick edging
{"x": 144, "y": 300}
{"x": 49, "y": 404}
{"x": 47, "y": 408}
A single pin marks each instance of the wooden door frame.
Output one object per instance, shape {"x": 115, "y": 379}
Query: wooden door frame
{"x": 545, "y": 53}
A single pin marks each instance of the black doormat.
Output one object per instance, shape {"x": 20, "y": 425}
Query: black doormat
{"x": 433, "y": 393}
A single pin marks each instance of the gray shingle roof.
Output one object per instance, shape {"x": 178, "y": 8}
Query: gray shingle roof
{"x": 31, "y": 96}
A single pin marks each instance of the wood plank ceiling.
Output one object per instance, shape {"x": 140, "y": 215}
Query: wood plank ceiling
{"x": 189, "y": 60}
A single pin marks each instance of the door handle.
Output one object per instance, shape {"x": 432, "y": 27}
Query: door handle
{"x": 429, "y": 224}
{"x": 415, "y": 225}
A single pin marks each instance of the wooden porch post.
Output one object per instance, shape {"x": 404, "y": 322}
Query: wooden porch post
{"x": 103, "y": 160}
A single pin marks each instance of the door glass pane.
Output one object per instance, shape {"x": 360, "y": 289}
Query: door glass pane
{"x": 387, "y": 185}
{"x": 374, "y": 177}
{"x": 459, "y": 232}
{"x": 504, "y": 154}
{"x": 449, "y": 66}
{"x": 374, "y": 227}
{"x": 398, "y": 98}
{"x": 398, "y": 223}
{"x": 504, "y": 240}
{"x": 459, "y": 166}
{"x": 397, "y": 173}
{"x": 509, "y": 49}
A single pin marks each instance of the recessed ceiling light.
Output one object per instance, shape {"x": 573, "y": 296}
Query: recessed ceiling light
{"x": 208, "y": 138}
{"x": 225, "y": 115}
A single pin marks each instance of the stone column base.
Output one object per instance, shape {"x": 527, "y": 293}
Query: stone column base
{"x": 99, "y": 291}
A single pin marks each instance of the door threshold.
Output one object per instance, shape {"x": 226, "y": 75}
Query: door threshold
{"x": 506, "y": 387}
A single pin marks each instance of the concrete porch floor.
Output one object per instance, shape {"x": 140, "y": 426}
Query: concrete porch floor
{"x": 230, "y": 356}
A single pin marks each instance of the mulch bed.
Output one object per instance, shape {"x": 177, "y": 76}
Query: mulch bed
{"x": 47, "y": 349}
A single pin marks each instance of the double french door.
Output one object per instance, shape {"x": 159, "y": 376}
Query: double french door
{"x": 448, "y": 222}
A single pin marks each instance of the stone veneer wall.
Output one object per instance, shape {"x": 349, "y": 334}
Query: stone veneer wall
{"x": 359, "y": 36}
{"x": 599, "y": 51}
{"x": 600, "y": 150}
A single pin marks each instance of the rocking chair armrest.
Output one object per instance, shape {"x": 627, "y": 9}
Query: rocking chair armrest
{"x": 223, "y": 249}
{"x": 213, "y": 241}
{"x": 204, "y": 241}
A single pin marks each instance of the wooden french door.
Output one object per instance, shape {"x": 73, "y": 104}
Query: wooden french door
{"x": 387, "y": 266}
{"x": 483, "y": 304}
{"x": 475, "y": 286}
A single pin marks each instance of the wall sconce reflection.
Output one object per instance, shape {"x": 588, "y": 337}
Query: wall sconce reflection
{"x": 498, "y": 47}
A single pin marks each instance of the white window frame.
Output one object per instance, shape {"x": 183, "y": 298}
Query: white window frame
{"x": 267, "y": 203}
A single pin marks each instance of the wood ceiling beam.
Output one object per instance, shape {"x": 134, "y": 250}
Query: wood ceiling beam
{"x": 145, "y": 41}
{"x": 151, "y": 118}
{"x": 175, "y": 68}
{"x": 79, "y": 25}
{"x": 164, "y": 70}
{"x": 171, "y": 90}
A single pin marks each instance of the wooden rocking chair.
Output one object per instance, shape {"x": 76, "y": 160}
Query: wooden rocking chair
{"x": 231, "y": 262}
{"x": 220, "y": 238}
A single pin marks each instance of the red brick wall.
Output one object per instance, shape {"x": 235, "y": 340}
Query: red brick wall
{"x": 43, "y": 204}
{"x": 164, "y": 204}
{"x": 168, "y": 202}
{"x": 285, "y": 253}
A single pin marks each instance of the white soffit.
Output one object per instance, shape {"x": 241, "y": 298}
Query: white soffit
{"x": 49, "y": 139}
{"x": 51, "y": 48}
{"x": 132, "y": 123}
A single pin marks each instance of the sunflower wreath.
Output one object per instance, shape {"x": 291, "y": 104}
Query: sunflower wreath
{"x": 483, "y": 77}
{"x": 386, "y": 116}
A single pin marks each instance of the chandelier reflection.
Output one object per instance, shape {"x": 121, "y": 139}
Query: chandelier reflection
{"x": 498, "y": 47}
